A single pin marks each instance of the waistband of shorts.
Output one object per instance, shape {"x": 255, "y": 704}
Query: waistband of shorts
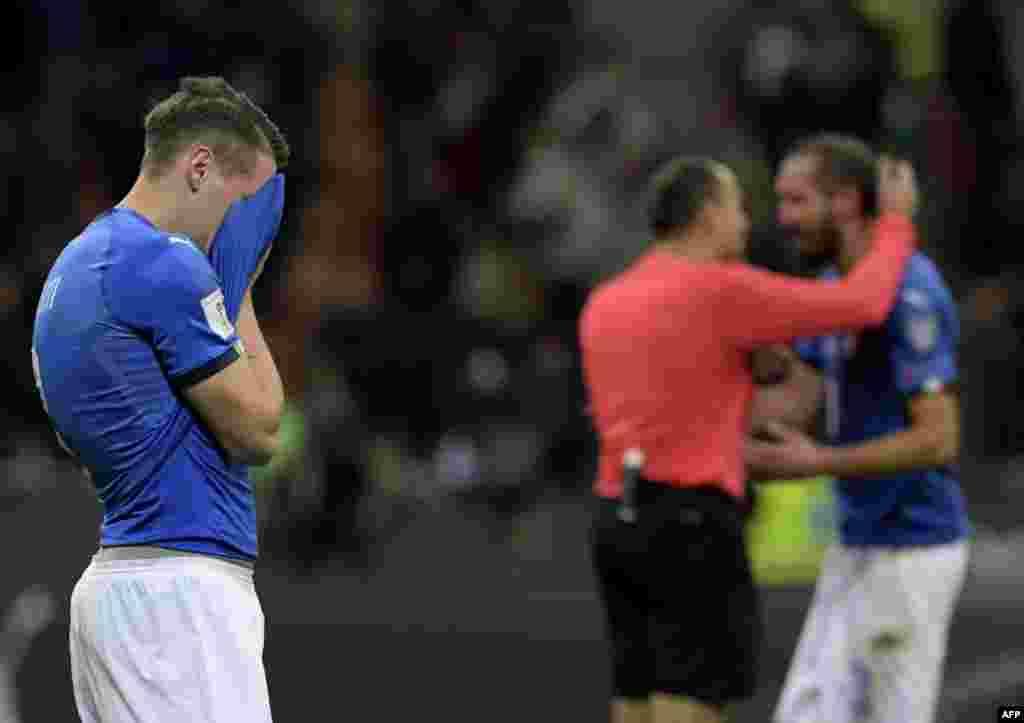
{"x": 709, "y": 497}
{"x": 124, "y": 557}
{"x": 649, "y": 492}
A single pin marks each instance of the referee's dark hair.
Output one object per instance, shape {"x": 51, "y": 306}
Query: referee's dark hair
{"x": 682, "y": 187}
{"x": 844, "y": 161}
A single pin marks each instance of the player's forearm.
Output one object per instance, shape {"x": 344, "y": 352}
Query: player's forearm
{"x": 905, "y": 451}
{"x": 260, "y": 358}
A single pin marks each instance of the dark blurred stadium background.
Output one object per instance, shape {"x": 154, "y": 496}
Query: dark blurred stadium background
{"x": 464, "y": 172}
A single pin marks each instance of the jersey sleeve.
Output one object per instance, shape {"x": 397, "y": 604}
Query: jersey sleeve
{"x": 924, "y": 331}
{"x": 248, "y": 229}
{"x": 174, "y": 300}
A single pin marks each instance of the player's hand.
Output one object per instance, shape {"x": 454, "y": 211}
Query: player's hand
{"x": 777, "y": 451}
{"x": 897, "y": 186}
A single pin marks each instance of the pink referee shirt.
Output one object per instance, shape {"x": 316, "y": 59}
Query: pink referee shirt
{"x": 666, "y": 348}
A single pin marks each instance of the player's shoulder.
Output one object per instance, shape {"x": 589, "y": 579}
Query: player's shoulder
{"x": 172, "y": 256}
{"x": 149, "y": 253}
{"x": 923, "y": 271}
{"x": 146, "y": 264}
{"x": 923, "y": 287}
{"x": 924, "y": 311}
{"x": 93, "y": 240}
{"x": 137, "y": 237}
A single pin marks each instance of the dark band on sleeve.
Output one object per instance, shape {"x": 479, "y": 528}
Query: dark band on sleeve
{"x": 207, "y": 370}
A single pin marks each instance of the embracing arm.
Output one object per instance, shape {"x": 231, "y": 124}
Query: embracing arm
{"x": 763, "y": 308}
{"x": 770, "y": 307}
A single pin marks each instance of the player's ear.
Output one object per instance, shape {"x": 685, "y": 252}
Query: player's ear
{"x": 199, "y": 161}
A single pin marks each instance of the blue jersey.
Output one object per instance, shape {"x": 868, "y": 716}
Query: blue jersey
{"x": 128, "y": 318}
{"x": 869, "y": 378}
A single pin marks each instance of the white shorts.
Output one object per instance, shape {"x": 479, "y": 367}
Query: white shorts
{"x": 168, "y": 640}
{"x": 874, "y": 641}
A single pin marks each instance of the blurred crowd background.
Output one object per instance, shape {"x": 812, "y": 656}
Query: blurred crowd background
{"x": 463, "y": 173}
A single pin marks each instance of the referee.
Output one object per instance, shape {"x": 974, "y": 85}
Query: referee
{"x": 667, "y": 349}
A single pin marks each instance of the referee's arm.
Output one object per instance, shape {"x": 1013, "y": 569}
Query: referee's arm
{"x": 755, "y": 308}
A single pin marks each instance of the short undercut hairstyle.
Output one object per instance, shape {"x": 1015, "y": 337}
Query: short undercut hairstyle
{"x": 210, "y": 111}
{"x": 844, "y": 161}
{"x": 682, "y": 187}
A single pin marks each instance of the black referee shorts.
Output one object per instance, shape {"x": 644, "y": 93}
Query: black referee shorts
{"x": 681, "y": 607}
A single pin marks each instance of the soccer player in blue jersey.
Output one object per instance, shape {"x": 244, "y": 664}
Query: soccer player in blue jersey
{"x": 874, "y": 641}
{"x": 164, "y": 390}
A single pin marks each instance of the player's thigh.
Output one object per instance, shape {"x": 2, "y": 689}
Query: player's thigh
{"x": 133, "y": 656}
{"x": 820, "y": 669}
{"x": 902, "y": 627}
{"x": 822, "y": 636}
{"x": 231, "y": 609}
{"x": 82, "y": 655}
{"x": 907, "y": 595}
{"x": 163, "y": 640}
{"x": 226, "y": 618}
{"x": 233, "y": 630}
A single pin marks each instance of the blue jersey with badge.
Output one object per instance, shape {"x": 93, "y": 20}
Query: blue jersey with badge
{"x": 869, "y": 379}
{"x": 128, "y": 318}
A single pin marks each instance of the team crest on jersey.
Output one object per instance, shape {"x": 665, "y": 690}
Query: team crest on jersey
{"x": 217, "y": 315}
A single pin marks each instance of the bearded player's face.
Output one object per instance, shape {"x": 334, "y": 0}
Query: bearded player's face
{"x": 804, "y": 210}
